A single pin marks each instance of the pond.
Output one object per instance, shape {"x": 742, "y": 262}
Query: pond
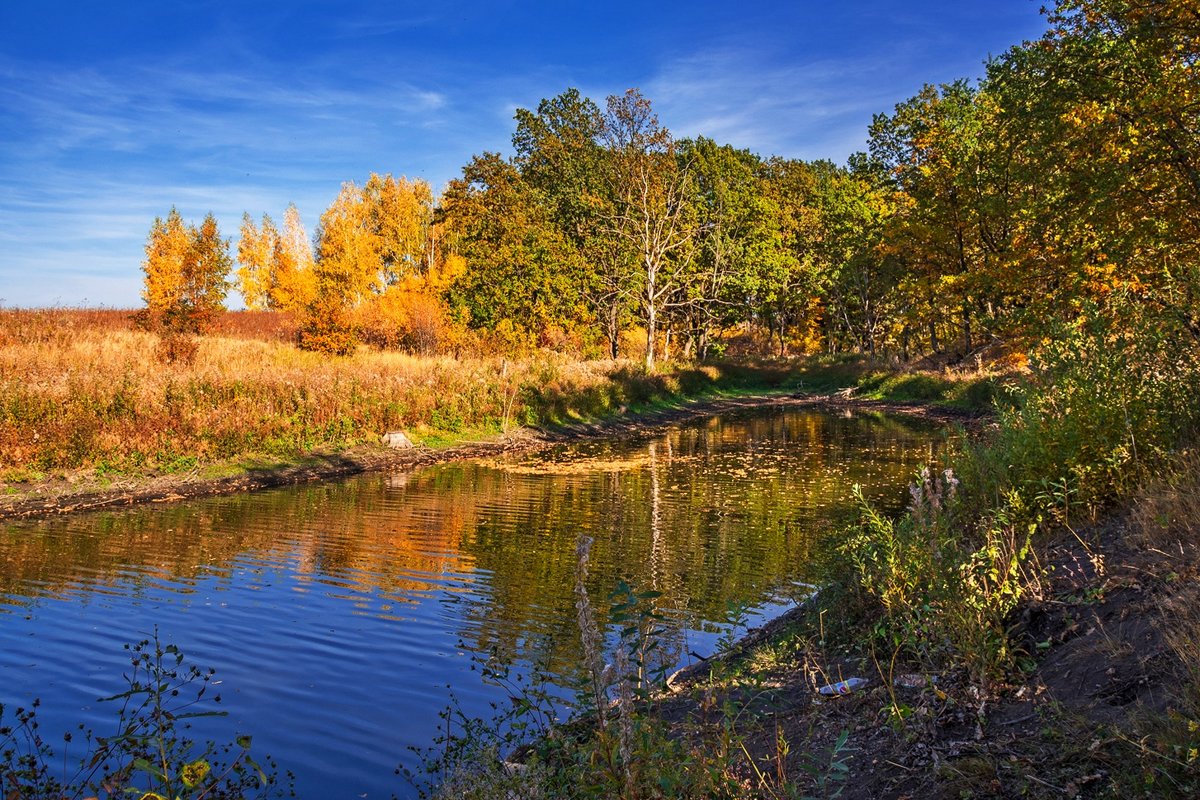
{"x": 340, "y": 615}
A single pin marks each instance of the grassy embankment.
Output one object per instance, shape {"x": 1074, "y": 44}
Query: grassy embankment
{"x": 1029, "y": 627}
{"x": 86, "y": 398}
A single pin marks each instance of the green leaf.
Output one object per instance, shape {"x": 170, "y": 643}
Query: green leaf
{"x": 142, "y": 765}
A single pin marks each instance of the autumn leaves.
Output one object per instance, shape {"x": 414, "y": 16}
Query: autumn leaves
{"x": 186, "y": 269}
{"x": 1068, "y": 176}
{"x": 374, "y": 258}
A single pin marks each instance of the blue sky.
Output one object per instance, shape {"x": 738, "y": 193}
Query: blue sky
{"x": 110, "y": 113}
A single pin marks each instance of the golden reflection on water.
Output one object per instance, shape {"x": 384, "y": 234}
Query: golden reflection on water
{"x": 369, "y": 590}
{"x": 727, "y": 508}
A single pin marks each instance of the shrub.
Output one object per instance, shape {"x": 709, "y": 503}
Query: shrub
{"x": 1109, "y": 396}
{"x": 943, "y": 590}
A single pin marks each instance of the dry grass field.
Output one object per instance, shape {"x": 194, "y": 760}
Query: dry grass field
{"x": 85, "y": 389}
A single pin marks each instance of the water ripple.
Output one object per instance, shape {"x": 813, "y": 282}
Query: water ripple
{"x": 339, "y": 615}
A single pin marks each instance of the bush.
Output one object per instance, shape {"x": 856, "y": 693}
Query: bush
{"x": 405, "y": 320}
{"x": 327, "y": 328}
{"x": 941, "y": 589}
{"x": 1109, "y": 396}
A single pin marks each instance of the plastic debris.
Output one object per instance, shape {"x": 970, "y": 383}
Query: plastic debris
{"x": 843, "y": 687}
{"x": 913, "y": 681}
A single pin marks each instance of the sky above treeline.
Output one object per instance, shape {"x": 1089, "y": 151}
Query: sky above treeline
{"x": 111, "y": 113}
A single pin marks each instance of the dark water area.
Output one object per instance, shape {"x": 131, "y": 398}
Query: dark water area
{"x": 338, "y": 615}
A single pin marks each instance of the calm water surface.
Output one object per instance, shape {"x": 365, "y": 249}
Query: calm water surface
{"x": 338, "y": 614}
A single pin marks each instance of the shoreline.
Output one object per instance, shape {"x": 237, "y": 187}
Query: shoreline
{"x": 77, "y": 494}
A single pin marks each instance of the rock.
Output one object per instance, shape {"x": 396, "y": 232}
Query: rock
{"x": 397, "y": 440}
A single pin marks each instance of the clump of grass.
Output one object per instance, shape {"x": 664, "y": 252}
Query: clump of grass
{"x": 1162, "y": 756}
{"x": 1167, "y": 514}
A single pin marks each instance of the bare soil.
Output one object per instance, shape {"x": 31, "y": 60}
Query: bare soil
{"x": 66, "y": 493}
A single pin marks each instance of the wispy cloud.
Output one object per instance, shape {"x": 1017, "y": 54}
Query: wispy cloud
{"x": 142, "y": 108}
{"x": 92, "y": 155}
{"x": 810, "y": 109}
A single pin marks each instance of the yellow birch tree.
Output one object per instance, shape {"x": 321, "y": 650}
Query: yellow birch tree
{"x": 256, "y": 254}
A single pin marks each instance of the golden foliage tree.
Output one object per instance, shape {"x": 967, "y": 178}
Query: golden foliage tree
{"x": 186, "y": 275}
{"x": 368, "y": 239}
{"x": 276, "y": 269}
{"x": 256, "y": 255}
{"x": 401, "y": 212}
{"x": 293, "y": 280}
{"x": 166, "y": 256}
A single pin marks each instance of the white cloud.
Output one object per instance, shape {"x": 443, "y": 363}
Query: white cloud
{"x": 809, "y": 109}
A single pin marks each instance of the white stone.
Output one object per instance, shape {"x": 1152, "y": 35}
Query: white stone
{"x": 397, "y": 440}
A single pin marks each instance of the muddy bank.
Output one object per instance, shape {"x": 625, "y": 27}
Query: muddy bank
{"x": 1086, "y": 716}
{"x": 85, "y": 491}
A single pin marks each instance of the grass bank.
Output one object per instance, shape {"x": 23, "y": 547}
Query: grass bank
{"x": 87, "y": 403}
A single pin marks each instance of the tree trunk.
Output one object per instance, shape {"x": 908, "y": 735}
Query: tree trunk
{"x": 651, "y": 333}
{"x": 613, "y": 332}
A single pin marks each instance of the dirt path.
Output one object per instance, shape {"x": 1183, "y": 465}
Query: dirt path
{"x": 84, "y": 491}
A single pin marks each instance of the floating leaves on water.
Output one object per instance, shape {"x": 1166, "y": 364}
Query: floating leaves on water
{"x": 581, "y": 466}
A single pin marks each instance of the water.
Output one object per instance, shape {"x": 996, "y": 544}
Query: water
{"x": 338, "y": 614}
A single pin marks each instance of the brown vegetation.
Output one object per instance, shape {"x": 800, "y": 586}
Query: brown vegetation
{"x": 87, "y": 390}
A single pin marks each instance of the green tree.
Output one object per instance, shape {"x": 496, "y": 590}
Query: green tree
{"x": 558, "y": 152}
{"x": 946, "y": 153}
{"x": 788, "y": 278}
{"x": 1109, "y": 153}
{"x": 860, "y": 272}
{"x": 520, "y": 267}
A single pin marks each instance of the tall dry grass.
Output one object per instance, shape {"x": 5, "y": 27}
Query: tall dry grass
{"x": 84, "y": 389}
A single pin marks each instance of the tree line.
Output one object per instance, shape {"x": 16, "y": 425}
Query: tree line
{"x": 1068, "y": 174}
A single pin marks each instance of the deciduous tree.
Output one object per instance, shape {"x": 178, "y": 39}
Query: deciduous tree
{"x": 256, "y": 257}
{"x": 520, "y": 268}
{"x": 650, "y": 212}
{"x": 186, "y": 271}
